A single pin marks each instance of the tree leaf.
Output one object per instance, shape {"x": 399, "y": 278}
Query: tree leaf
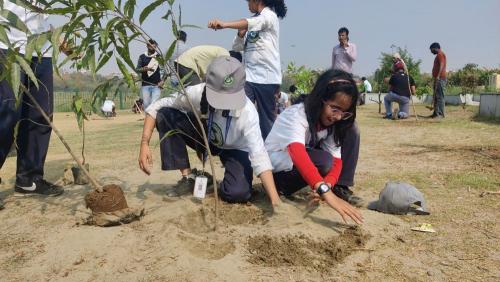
{"x": 14, "y": 21}
{"x": 27, "y": 69}
{"x": 150, "y": 8}
{"x": 15, "y": 79}
{"x": 170, "y": 51}
{"x": 125, "y": 72}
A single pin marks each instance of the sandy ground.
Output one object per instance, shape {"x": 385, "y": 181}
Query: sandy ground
{"x": 451, "y": 161}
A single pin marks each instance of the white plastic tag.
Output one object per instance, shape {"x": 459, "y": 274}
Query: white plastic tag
{"x": 200, "y": 187}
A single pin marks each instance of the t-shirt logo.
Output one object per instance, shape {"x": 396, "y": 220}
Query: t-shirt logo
{"x": 216, "y": 137}
{"x": 253, "y": 36}
{"x": 228, "y": 81}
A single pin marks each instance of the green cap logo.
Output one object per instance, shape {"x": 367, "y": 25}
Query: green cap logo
{"x": 228, "y": 81}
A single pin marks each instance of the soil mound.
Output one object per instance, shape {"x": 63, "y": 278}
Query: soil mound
{"x": 303, "y": 250}
{"x": 110, "y": 200}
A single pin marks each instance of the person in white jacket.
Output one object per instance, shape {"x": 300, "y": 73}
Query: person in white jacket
{"x": 258, "y": 38}
{"x": 233, "y": 131}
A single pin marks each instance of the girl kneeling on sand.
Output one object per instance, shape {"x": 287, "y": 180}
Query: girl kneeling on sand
{"x": 233, "y": 131}
{"x": 304, "y": 143}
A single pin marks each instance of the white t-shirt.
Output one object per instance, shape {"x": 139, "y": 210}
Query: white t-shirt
{"x": 36, "y": 24}
{"x": 292, "y": 127}
{"x": 108, "y": 105}
{"x": 244, "y": 132}
{"x": 368, "y": 86}
{"x": 261, "y": 48}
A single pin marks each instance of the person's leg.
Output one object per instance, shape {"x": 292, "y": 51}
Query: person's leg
{"x": 155, "y": 93}
{"x": 266, "y": 105}
{"x": 440, "y": 89}
{"x": 146, "y": 96}
{"x": 9, "y": 116}
{"x": 289, "y": 182}
{"x": 173, "y": 149}
{"x": 236, "y": 187}
{"x": 388, "y": 104}
{"x": 34, "y": 131}
{"x": 404, "y": 107}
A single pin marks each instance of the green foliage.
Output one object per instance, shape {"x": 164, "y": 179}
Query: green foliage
{"x": 303, "y": 78}
{"x": 385, "y": 69}
{"x": 471, "y": 78}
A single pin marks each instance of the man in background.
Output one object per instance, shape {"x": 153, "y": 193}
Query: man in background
{"x": 439, "y": 77}
{"x": 344, "y": 54}
{"x": 149, "y": 68}
{"x": 367, "y": 88}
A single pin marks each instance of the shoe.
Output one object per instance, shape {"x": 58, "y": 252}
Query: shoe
{"x": 1, "y": 205}
{"x": 183, "y": 187}
{"x": 347, "y": 195}
{"x": 39, "y": 187}
{"x": 388, "y": 116}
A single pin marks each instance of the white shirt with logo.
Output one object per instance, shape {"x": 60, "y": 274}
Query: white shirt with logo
{"x": 244, "y": 132}
{"x": 35, "y": 22}
{"x": 291, "y": 126}
{"x": 261, "y": 48}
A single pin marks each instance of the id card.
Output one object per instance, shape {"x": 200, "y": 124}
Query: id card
{"x": 200, "y": 187}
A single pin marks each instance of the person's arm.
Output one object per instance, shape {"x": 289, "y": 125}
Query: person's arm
{"x": 441, "y": 65}
{"x": 352, "y": 52}
{"x": 342, "y": 207}
{"x": 218, "y": 24}
{"x": 145, "y": 156}
{"x": 333, "y": 175}
{"x": 333, "y": 57}
{"x": 268, "y": 181}
{"x": 303, "y": 163}
{"x": 140, "y": 67}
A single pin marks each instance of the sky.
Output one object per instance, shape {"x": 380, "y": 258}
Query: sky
{"x": 468, "y": 30}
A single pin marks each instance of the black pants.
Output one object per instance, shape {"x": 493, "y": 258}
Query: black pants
{"x": 236, "y": 186}
{"x": 289, "y": 182}
{"x": 194, "y": 79}
{"x": 263, "y": 95}
{"x": 34, "y": 132}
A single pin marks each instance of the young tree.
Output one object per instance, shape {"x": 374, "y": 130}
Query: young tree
{"x": 385, "y": 68}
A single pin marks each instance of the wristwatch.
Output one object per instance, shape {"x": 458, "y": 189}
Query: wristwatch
{"x": 322, "y": 189}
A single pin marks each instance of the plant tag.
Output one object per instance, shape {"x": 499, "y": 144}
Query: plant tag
{"x": 200, "y": 187}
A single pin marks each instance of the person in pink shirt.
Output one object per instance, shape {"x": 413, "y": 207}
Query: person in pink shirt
{"x": 345, "y": 53}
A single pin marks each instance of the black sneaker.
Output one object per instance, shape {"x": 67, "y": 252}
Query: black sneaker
{"x": 347, "y": 195}
{"x": 183, "y": 187}
{"x": 40, "y": 187}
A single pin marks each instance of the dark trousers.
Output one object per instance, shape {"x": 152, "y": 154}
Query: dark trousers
{"x": 263, "y": 95}
{"x": 439, "y": 92}
{"x": 34, "y": 132}
{"x": 183, "y": 71}
{"x": 289, "y": 182}
{"x": 236, "y": 186}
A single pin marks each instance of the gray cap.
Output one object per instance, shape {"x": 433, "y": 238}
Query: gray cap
{"x": 226, "y": 84}
{"x": 400, "y": 198}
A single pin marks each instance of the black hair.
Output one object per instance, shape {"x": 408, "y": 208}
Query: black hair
{"x": 343, "y": 29}
{"x": 363, "y": 78}
{"x": 236, "y": 55}
{"x": 326, "y": 88}
{"x": 435, "y": 45}
{"x": 182, "y": 36}
{"x": 292, "y": 89}
{"x": 152, "y": 42}
{"x": 278, "y": 6}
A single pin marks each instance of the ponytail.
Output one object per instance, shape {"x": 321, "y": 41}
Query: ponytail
{"x": 278, "y": 6}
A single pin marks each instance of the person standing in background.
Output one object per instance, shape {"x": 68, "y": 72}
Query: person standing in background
{"x": 367, "y": 88}
{"x": 344, "y": 54}
{"x": 258, "y": 38}
{"x": 149, "y": 68}
{"x": 439, "y": 76}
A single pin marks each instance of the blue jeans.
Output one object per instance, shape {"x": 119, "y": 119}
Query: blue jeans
{"x": 149, "y": 94}
{"x": 439, "y": 99}
{"x": 403, "y": 101}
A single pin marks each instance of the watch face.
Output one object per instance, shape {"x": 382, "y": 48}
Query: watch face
{"x": 323, "y": 188}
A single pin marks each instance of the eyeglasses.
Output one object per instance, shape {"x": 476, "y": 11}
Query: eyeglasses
{"x": 336, "y": 111}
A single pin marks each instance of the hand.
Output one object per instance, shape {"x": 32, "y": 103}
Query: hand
{"x": 343, "y": 208}
{"x": 242, "y": 32}
{"x": 161, "y": 83}
{"x": 216, "y": 24}
{"x": 344, "y": 43}
{"x": 145, "y": 159}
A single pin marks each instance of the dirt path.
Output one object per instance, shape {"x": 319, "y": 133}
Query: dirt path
{"x": 451, "y": 162}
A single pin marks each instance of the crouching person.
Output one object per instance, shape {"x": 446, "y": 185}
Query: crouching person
{"x": 233, "y": 129}
{"x": 400, "y": 85}
{"x": 304, "y": 143}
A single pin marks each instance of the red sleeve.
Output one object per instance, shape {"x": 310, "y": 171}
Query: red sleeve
{"x": 333, "y": 175}
{"x": 303, "y": 163}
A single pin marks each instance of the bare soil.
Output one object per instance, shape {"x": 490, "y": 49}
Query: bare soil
{"x": 452, "y": 161}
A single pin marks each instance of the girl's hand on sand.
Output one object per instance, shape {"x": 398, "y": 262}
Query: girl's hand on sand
{"x": 343, "y": 208}
{"x": 216, "y": 24}
{"x": 145, "y": 159}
